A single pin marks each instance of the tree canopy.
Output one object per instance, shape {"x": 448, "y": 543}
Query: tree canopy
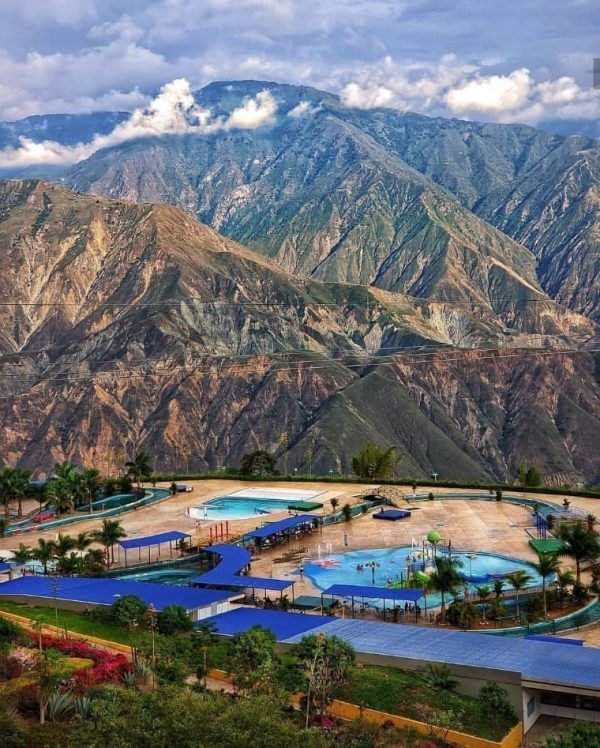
{"x": 375, "y": 462}
{"x": 259, "y": 462}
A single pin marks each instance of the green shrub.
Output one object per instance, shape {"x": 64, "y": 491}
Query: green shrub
{"x": 495, "y": 703}
{"x": 172, "y": 619}
{"x": 129, "y": 610}
{"x": 9, "y": 631}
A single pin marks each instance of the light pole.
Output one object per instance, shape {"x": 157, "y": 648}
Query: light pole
{"x": 152, "y": 618}
{"x": 434, "y": 475}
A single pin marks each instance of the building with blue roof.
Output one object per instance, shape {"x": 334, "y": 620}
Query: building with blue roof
{"x": 541, "y": 677}
{"x": 84, "y": 593}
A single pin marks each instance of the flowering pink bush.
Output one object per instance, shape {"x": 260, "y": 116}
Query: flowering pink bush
{"x": 21, "y": 660}
{"x": 108, "y": 666}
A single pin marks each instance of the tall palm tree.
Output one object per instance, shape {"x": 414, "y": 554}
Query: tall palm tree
{"x": 498, "y": 587}
{"x": 518, "y": 580}
{"x": 90, "y": 482}
{"x": 65, "y": 486}
{"x": 44, "y": 552}
{"x": 580, "y": 543}
{"x": 140, "y": 469}
{"x": 82, "y": 543}
{"x": 110, "y": 532}
{"x": 546, "y": 565}
{"x": 22, "y": 483}
{"x": 5, "y": 492}
{"x": 446, "y": 578}
{"x": 484, "y": 593}
{"x": 63, "y": 545}
{"x": 14, "y": 486}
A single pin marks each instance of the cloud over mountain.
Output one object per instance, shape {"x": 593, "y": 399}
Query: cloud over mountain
{"x": 443, "y": 58}
{"x": 173, "y": 112}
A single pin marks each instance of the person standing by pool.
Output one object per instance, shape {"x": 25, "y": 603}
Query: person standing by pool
{"x": 346, "y": 539}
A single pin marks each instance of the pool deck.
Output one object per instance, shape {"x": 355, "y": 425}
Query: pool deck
{"x": 497, "y": 527}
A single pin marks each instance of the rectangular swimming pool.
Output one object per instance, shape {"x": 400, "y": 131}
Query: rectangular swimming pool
{"x": 250, "y": 503}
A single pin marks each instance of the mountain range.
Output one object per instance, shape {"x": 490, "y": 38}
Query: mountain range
{"x": 424, "y": 282}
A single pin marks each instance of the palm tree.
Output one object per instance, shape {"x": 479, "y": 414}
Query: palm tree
{"x": 23, "y": 554}
{"x": 546, "y": 565}
{"x": 518, "y": 580}
{"x": 110, "y": 532}
{"x": 497, "y": 609}
{"x": 63, "y": 487}
{"x": 564, "y": 579}
{"x": 498, "y": 587}
{"x": 484, "y": 593}
{"x": 21, "y": 487}
{"x": 204, "y": 637}
{"x": 93, "y": 563}
{"x": 580, "y": 544}
{"x": 375, "y": 462}
{"x": 140, "y": 469}
{"x": 90, "y": 482}
{"x": 14, "y": 485}
{"x": 467, "y": 613}
{"x": 44, "y": 552}
{"x": 446, "y": 578}
{"x": 62, "y": 546}
{"x": 83, "y": 541}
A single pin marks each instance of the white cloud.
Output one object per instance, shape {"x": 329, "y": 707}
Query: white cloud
{"x": 173, "y": 112}
{"x": 303, "y": 109}
{"x": 253, "y": 113}
{"x": 492, "y": 94}
{"x": 366, "y": 97}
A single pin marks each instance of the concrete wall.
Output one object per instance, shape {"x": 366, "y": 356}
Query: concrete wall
{"x": 532, "y": 708}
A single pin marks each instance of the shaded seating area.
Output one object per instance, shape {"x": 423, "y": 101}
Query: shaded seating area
{"x": 148, "y": 541}
{"x": 232, "y": 571}
{"x": 408, "y": 596}
{"x": 392, "y": 514}
{"x": 285, "y": 530}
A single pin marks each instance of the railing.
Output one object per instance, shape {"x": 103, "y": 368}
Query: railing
{"x": 151, "y": 496}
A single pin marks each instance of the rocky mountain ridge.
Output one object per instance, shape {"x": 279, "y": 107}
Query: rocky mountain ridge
{"x": 130, "y": 325}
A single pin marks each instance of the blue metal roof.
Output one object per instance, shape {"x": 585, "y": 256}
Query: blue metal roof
{"x": 233, "y": 560}
{"x": 283, "y": 625}
{"x": 106, "y": 591}
{"x": 216, "y": 579}
{"x": 161, "y": 537}
{"x": 284, "y": 524}
{"x": 534, "y": 660}
{"x": 379, "y": 593}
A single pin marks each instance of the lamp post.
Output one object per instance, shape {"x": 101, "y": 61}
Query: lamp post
{"x": 434, "y": 475}
{"x": 152, "y": 621}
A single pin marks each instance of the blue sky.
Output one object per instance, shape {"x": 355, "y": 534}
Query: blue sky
{"x": 515, "y": 60}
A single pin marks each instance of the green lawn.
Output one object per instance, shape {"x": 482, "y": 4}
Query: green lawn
{"x": 82, "y": 623}
{"x": 407, "y": 694}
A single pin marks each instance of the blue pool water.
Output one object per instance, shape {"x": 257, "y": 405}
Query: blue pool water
{"x": 393, "y": 564}
{"x": 231, "y": 507}
{"x": 179, "y": 577}
{"x": 110, "y": 502}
